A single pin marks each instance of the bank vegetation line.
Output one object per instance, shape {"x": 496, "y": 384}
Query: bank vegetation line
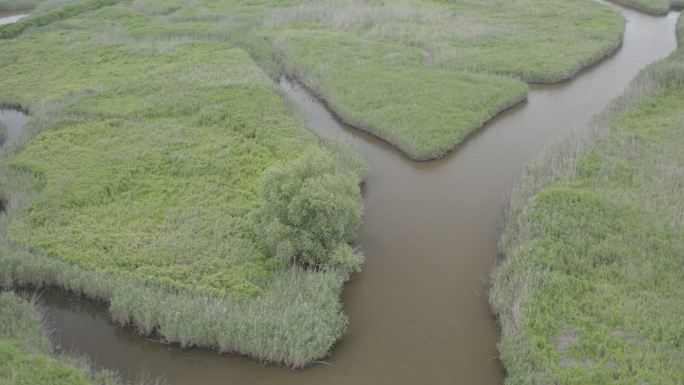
{"x": 654, "y": 7}
{"x": 28, "y": 357}
{"x": 590, "y": 290}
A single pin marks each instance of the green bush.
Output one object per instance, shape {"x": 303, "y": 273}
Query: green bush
{"x": 311, "y": 211}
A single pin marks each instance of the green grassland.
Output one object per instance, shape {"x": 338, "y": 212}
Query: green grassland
{"x": 146, "y": 178}
{"x": 590, "y": 291}
{"x": 26, "y": 354}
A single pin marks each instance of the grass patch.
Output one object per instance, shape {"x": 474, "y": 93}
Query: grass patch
{"x": 142, "y": 180}
{"x": 590, "y": 291}
{"x": 446, "y": 106}
{"x": 26, "y": 354}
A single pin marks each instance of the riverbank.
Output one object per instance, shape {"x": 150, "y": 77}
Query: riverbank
{"x": 27, "y": 355}
{"x": 590, "y": 290}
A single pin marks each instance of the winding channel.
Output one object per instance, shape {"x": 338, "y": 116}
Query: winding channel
{"x": 418, "y": 312}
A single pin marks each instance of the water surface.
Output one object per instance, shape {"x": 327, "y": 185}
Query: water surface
{"x": 11, "y": 17}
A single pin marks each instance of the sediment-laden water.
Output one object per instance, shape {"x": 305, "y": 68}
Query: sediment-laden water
{"x": 418, "y": 312}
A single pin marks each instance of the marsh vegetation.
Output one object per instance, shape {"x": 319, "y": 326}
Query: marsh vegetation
{"x": 590, "y": 290}
{"x": 162, "y": 173}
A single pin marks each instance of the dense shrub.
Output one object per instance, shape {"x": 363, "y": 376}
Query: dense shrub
{"x": 311, "y": 211}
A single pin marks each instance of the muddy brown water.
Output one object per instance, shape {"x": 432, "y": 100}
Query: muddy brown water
{"x": 418, "y": 312}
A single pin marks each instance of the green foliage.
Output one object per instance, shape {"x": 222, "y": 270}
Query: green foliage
{"x": 11, "y": 30}
{"x": 310, "y": 212}
{"x": 590, "y": 292}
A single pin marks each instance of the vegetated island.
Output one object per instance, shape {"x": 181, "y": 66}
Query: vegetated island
{"x": 423, "y": 75}
{"x": 161, "y": 172}
{"x": 165, "y": 177}
{"x": 591, "y": 288}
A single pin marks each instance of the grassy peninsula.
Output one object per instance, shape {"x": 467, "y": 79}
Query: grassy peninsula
{"x": 590, "y": 290}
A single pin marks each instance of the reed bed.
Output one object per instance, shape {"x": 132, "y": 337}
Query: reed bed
{"x": 589, "y": 290}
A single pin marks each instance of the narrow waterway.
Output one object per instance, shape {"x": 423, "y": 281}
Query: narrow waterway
{"x": 418, "y": 312}
{"x": 11, "y": 17}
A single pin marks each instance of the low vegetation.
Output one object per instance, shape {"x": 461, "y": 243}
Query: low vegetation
{"x": 590, "y": 291}
{"x": 26, "y": 354}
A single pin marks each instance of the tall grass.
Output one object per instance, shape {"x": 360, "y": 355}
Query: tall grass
{"x": 342, "y": 16}
{"x": 590, "y": 287}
